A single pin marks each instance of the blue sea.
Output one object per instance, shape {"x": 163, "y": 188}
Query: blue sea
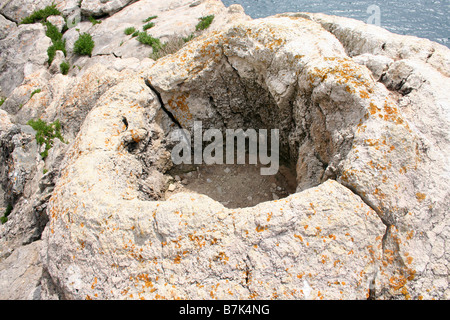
{"x": 421, "y": 18}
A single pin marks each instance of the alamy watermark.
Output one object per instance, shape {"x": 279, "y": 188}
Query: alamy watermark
{"x": 236, "y": 147}
{"x": 375, "y": 13}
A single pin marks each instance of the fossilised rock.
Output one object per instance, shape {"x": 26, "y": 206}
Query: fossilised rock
{"x": 370, "y": 203}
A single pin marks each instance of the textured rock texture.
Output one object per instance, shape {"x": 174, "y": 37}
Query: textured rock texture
{"x": 362, "y": 113}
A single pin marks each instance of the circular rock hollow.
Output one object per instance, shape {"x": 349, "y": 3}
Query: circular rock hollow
{"x": 234, "y": 185}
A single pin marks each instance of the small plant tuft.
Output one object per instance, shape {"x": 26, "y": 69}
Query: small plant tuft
{"x": 84, "y": 45}
{"x": 147, "y": 39}
{"x": 189, "y": 38}
{"x": 64, "y": 67}
{"x": 7, "y": 212}
{"x": 150, "y": 18}
{"x": 2, "y": 100}
{"x": 34, "y": 92}
{"x": 46, "y": 133}
{"x": 148, "y": 26}
{"x": 41, "y": 15}
{"x": 130, "y": 30}
{"x": 93, "y": 21}
{"x": 205, "y": 22}
{"x": 58, "y": 43}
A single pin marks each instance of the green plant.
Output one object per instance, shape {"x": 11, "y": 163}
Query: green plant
{"x": 58, "y": 43}
{"x": 148, "y": 26}
{"x": 44, "y": 171}
{"x": 189, "y": 38}
{"x": 172, "y": 45}
{"x": 51, "y": 51}
{"x": 2, "y": 100}
{"x": 130, "y": 30}
{"x": 41, "y": 15}
{"x": 135, "y": 34}
{"x": 84, "y": 45}
{"x": 150, "y": 18}
{"x": 8, "y": 210}
{"x": 52, "y": 32}
{"x": 93, "y": 21}
{"x": 147, "y": 39}
{"x": 205, "y": 22}
{"x": 34, "y": 92}
{"x": 46, "y": 133}
{"x": 64, "y": 67}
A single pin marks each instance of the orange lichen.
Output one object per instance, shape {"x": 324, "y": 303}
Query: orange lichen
{"x": 420, "y": 196}
{"x": 261, "y": 228}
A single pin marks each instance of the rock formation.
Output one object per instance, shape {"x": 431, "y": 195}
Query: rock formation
{"x": 363, "y": 116}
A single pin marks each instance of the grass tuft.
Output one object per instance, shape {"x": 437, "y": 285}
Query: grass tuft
{"x": 150, "y": 18}
{"x": 130, "y": 30}
{"x": 7, "y": 212}
{"x": 145, "y": 38}
{"x": 34, "y": 92}
{"x": 84, "y": 45}
{"x": 93, "y": 21}
{"x": 205, "y": 22}
{"x": 64, "y": 67}
{"x": 41, "y": 15}
{"x": 148, "y": 26}
{"x": 58, "y": 43}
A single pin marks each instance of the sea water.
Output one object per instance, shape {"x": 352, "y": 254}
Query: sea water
{"x": 422, "y": 18}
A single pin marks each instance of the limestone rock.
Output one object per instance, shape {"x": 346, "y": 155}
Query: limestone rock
{"x": 362, "y": 113}
{"x": 16, "y": 10}
{"x": 96, "y": 8}
{"x": 20, "y": 274}
{"x": 6, "y": 27}
{"x": 55, "y": 66}
{"x": 175, "y": 17}
{"x": 22, "y": 52}
{"x": 57, "y": 21}
{"x": 358, "y": 38}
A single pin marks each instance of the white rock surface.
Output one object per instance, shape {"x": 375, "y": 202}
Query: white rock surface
{"x": 22, "y": 52}
{"x": 363, "y": 113}
{"x": 20, "y": 274}
{"x": 97, "y": 8}
{"x": 6, "y": 27}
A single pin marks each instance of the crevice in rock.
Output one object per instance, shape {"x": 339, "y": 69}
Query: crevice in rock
{"x": 9, "y": 19}
{"x": 161, "y": 102}
{"x": 367, "y": 202}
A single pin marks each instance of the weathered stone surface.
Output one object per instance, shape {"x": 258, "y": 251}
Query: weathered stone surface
{"x": 16, "y": 10}
{"x": 22, "y": 52}
{"x": 6, "y": 26}
{"x": 358, "y": 38}
{"x": 175, "y": 17}
{"x": 98, "y": 8}
{"x": 157, "y": 243}
{"x": 20, "y": 274}
{"x": 363, "y": 113}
